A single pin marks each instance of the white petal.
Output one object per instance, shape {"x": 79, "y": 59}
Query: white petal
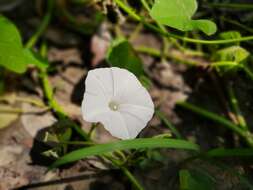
{"x": 128, "y": 89}
{"x": 100, "y": 82}
{"x": 124, "y": 82}
{"x": 92, "y": 105}
{"x": 140, "y": 97}
{"x": 136, "y": 117}
{"x": 114, "y": 123}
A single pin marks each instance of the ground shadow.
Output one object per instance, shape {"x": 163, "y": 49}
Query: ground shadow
{"x": 209, "y": 91}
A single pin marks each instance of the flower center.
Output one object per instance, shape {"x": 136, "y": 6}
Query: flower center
{"x": 114, "y": 106}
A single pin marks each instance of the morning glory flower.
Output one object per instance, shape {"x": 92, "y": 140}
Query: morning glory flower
{"x": 117, "y": 99}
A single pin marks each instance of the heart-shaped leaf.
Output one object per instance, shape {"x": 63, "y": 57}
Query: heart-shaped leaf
{"x": 121, "y": 54}
{"x": 178, "y": 14}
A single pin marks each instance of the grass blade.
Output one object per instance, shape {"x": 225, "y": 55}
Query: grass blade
{"x": 168, "y": 124}
{"x": 100, "y": 149}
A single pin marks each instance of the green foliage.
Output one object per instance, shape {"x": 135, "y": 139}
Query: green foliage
{"x": 178, "y": 14}
{"x": 230, "y": 59}
{"x": 121, "y": 54}
{"x": 230, "y": 35}
{"x": 13, "y": 55}
{"x": 195, "y": 180}
{"x": 59, "y": 135}
{"x": 11, "y": 48}
{"x": 233, "y": 53}
{"x": 150, "y": 159}
{"x": 36, "y": 59}
{"x": 124, "y": 145}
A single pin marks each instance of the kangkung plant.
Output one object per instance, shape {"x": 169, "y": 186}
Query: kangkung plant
{"x": 117, "y": 96}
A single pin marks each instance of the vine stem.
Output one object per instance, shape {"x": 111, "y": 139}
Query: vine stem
{"x": 168, "y": 124}
{"x": 157, "y": 53}
{"x": 163, "y": 29}
{"x": 235, "y": 105}
{"x": 248, "y": 71}
{"x": 32, "y": 41}
{"x": 48, "y": 91}
{"x": 136, "y": 17}
{"x": 236, "y": 23}
{"x": 132, "y": 178}
{"x": 127, "y": 173}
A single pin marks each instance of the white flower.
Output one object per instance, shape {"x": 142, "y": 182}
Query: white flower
{"x": 116, "y": 98}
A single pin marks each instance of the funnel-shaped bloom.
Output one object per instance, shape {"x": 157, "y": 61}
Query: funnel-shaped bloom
{"x": 116, "y": 98}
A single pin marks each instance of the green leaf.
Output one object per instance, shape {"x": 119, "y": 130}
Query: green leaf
{"x": 230, "y": 59}
{"x": 36, "y": 59}
{"x": 230, "y": 35}
{"x": 232, "y": 53}
{"x": 178, "y": 14}
{"x": 195, "y": 180}
{"x": 11, "y": 48}
{"x": 239, "y": 152}
{"x": 121, "y": 54}
{"x": 123, "y": 145}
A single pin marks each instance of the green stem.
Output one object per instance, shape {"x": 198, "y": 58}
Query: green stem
{"x": 145, "y": 5}
{"x": 127, "y": 173}
{"x": 157, "y": 53}
{"x": 136, "y": 32}
{"x": 225, "y": 64}
{"x": 236, "y": 23}
{"x": 85, "y": 28}
{"x": 235, "y": 106}
{"x": 173, "y": 129}
{"x": 50, "y": 96}
{"x": 131, "y": 177}
{"x": 248, "y": 137}
{"x": 248, "y": 71}
{"x": 91, "y": 131}
{"x": 48, "y": 92}
{"x": 163, "y": 29}
{"x": 46, "y": 20}
{"x": 169, "y": 35}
